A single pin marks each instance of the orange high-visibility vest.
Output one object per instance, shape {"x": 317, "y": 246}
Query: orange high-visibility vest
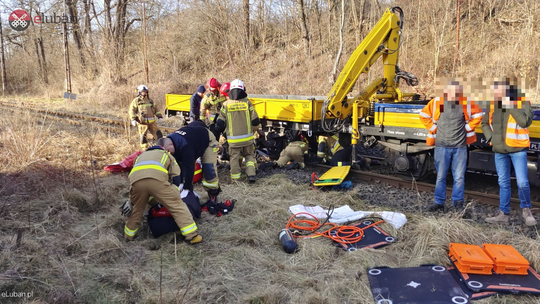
{"x": 430, "y": 114}
{"x": 516, "y": 136}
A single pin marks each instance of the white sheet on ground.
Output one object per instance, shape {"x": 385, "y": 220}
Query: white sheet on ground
{"x": 345, "y": 214}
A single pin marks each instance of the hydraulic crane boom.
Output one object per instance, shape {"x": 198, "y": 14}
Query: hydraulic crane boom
{"x": 383, "y": 40}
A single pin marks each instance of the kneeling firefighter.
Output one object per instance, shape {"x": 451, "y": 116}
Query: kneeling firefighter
{"x": 150, "y": 177}
{"x": 331, "y": 151}
{"x": 189, "y": 143}
{"x": 294, "y": 153}
{"x": 143, "y": 112}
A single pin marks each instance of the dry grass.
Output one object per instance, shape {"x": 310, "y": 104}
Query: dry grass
{"x": 61, "y": 234}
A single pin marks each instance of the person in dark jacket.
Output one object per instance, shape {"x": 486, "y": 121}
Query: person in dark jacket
{"x": 195, "y": 104}
{"x": 506, "y": 128}
{"x": 189, "y": 143}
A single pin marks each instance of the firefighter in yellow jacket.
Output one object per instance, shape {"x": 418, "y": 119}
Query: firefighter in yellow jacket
{"x": 333, "y": 152}
{"x": 211, "y": 104}
{"x": 292, "y": 156}
{"x": 143, "y": 112}
{"x": 238, "y": 117}
{"x": 150, "y": 177}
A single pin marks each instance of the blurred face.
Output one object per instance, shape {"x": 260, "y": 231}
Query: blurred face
{"x": 200, "y": 94}
{"x": 453, "y": 93}
{"x": 499, "y": 93}
{"x": 144, "y": 93}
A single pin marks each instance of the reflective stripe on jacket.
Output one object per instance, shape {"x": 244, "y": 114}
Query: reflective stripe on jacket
{"x": 431, "y": 113}
{"x": 210, "y": 106}
{"x": 516, "y": 136}
{"x": 299, "y": 144}
{"x": 328, "y": 146}
{"x": 238, "y": 116}
{"x": 155, "y": 163}
{"x": 144, "y": 109}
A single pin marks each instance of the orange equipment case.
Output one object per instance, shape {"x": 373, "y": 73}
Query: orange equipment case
{"x": 470, "y": 259}
{"x": 507, "y": 259}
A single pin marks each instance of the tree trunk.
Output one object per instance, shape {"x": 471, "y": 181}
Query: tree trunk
{"x": 74, "y": 15}
{"x": 89, "y": 37}
{"x": 246, "y": 22}
{"x": 338, "y": 57}
{"x": 43, "y": 60}
{"x": 3, "y": 60}
{"x": 305, "y": 34}
{"x": 245, "y": 8}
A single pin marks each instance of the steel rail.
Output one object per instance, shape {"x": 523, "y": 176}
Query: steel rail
{"x": 484, "y": 198}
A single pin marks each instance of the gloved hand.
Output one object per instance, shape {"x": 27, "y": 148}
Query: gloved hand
{"x": 181, "y": 187}
{"x": 160, "y": 119}
{"x": 184, "y": 193}
{"x": 134, "y": 123}
{"x": 126, "y": 208}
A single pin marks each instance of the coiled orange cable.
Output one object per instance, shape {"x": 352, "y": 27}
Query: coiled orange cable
{"x": 343, "y": 234}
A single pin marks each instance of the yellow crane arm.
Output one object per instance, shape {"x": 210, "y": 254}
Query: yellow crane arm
{"x": 383, "y": 40}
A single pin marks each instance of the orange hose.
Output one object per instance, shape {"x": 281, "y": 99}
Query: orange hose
{"x": 348, "y": 232}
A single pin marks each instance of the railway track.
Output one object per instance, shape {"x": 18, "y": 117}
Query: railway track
{"x": 114, "y": 124}
{"x": 119, "y": 125}
{"x": 484, "y": 198}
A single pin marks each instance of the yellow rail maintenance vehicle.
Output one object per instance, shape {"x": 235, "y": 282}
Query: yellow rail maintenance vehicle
{"x": 380, "y": 118}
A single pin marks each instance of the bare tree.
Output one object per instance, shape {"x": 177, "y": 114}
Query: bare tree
{"x": 245, "y": 4}
{"x": 305, "y": 34}
{"x": 338, "y": 56}
{"x": 77, "y": 36}
{"x": 3, "y": 60}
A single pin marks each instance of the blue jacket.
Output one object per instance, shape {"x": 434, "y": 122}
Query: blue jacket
{"x": 195, "y": 105}
{"x": 190, "y": 142}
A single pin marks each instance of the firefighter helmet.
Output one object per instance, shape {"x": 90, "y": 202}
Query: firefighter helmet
{"x": 225, "y": 88}
{"x": 141, "y": 88}
{"x": 212, "y": 84}
{"x": 238, "y": 84}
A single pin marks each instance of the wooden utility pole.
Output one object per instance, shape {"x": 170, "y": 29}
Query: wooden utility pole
{"x": 66, "y": 53}
{"x": 144, "y": 41}
{"x": 457, "y": 38}
{"x": 3, "y": 61}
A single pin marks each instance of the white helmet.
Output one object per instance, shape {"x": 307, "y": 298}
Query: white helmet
{"x": 238, "y": 84}
{"x": 141, "y": 88}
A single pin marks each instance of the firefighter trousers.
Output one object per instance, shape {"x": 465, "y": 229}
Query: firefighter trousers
{"x": 209, "y": 158}
{"x": 144, "y": 129}
{"x": 165, "y": 193}
{"x": 289, "y": 154}
{"x": 235, "y": 160}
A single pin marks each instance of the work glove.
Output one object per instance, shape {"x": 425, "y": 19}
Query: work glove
{"x": 160, "y": 119}
{"x": 134, "y": 123}
{"x": 181, "y": 187}
{"x": 126, "y": 208}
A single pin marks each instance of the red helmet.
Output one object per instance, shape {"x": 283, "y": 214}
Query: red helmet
{"x": 212, "y": 84}
{"x": 225, "y": 88}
